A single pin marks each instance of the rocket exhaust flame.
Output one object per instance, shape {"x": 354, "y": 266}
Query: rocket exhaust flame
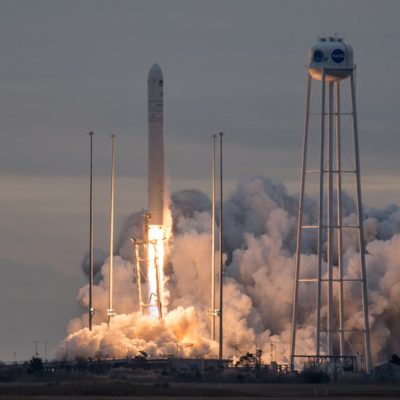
{"x": 149, "y": 256}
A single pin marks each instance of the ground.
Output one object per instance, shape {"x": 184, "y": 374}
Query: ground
{"x": 105, "y": 391}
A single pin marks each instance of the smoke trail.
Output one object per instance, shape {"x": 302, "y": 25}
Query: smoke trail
{"x": 259, "y": 239}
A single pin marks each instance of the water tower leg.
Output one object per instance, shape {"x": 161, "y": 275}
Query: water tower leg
{"x": 361, "y": 228}
{"x": 330, "y": 243}
{"x": 339, "y": 219}
{"x": 299, "y": 225}
{"x": 320, "y": 213}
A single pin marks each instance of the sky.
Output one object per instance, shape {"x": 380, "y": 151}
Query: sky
{"x": 68, "y": 67}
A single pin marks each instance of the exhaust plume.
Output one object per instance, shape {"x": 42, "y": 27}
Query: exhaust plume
{"x": 259, "y": 234}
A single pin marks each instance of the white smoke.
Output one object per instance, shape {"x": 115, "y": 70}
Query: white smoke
{"x": 259, "y": 240}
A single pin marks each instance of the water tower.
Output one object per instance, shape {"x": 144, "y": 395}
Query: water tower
{"x": 333, "y": 160}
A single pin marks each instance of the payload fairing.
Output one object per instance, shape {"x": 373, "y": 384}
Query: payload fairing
{"x": 156, "y": 180}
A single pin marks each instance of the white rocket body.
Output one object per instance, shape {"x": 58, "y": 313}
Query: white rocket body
{"x": 156, "y": 180}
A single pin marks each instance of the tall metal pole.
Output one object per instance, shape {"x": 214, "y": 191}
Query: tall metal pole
{"x": 36, "y": 348}
{"x": 330, "y": 221}
{"x": 361, "y": 227}
{"x": 299, "y": 224}
{"x": 110, "y": 311}
{"x": 138, "y": 275}
{"x": 320, "y": 214}
{"x": 158, "y": 283}
{"x": 45, "y": 350}
{"x": 221, "y": 298}
{"x": 339, "y": 219}
{"x": 91, "y": 310}
{"x": 212, "y": 311}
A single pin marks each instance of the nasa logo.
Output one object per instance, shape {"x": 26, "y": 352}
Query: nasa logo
{"x": 337, "y": 56}
{"x": 318, "y": 56}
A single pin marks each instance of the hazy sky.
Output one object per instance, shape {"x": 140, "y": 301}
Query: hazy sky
{"x": 68, "y": 67}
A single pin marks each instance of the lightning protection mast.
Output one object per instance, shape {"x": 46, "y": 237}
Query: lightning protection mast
{"x": 213, "y": 310}
{"x": 91, "y": 309}
{"x": 221, "y": 249}
{"x": 110, "y": 311}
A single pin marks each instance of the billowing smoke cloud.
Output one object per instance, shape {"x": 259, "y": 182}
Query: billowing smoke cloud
{"x": 259, "y": 240}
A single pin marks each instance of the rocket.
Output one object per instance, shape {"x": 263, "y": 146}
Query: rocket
{"x": 156, "y": 180}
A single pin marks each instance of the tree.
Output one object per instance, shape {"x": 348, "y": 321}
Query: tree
{"x": 395, "y": 359}
{"x": 35, "y": 365}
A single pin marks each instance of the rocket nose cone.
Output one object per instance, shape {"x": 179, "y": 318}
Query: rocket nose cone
{"x": 155, "y": 72}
